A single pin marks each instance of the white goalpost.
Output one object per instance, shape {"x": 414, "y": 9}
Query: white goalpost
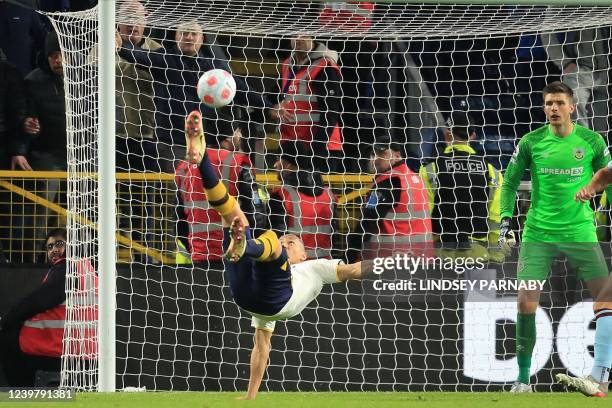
{"x": 164, "y": 323}
{"x": 107, "y": 254}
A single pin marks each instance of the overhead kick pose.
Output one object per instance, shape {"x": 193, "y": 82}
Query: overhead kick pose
{"x": 269, "y": 278}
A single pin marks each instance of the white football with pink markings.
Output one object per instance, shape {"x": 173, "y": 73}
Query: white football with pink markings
{"x": 216, "y": 88}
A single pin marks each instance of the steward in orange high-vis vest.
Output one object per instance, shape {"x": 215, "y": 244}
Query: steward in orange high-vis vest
{"x": 199, "y": 222}
{"x": 302, "y": 205}
{"x": 32, "y": 331}
{"x": 396, "y": 214}
{"x": 311, "y": 93}
{"x": 309, "y": 216}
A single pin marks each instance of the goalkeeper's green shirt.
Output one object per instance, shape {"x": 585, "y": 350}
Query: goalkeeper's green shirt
{"x": 560, "y": 166}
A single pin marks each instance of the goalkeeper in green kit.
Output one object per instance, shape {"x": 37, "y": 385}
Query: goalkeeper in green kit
{"x": 562, "y": 157}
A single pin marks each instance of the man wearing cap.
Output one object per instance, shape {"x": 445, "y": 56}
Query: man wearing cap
{"x": 199, "y": 226}
{"x": 464, "y": 193}
{"x": 302, "y": 205}
{"x": 396, "y": 213}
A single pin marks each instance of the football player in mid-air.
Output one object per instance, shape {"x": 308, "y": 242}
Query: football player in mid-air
{"x": 269, "y": 278}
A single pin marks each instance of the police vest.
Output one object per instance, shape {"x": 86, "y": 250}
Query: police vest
{"x": 462, "y": 193}
{"x": 409, "y": 221}
{"x": 348, "y": 16}
{"x": 310, "y": 218}
{"x": 42, "y": 334}
{"x": 205, "y": 228}
{"x": 304, "y": 105}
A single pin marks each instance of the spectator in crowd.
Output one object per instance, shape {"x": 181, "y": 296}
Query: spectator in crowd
{"x": 135, "y": 108}
{"x": 396, "y": 213}
{"x": 31, "y": 332}
{"x": 42, "y": 145}
{"x": 199, "y": 226}
{"x": 302, "y": 205}
{"x": 583, "y": 58}
{"x": 464, "y": 193}
{"x": 311, "y": 93}
{"x": 22, "y": 34}
{"x": 176, "y": 71}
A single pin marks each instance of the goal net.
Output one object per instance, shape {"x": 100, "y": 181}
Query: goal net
{"x": 402, "y": 70}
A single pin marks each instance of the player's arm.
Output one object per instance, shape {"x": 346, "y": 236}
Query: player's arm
{"x": 259, "y": 361}
{"x": 598, "y": 183}
{"x": 357, "y": 270}
{"x": 521, "y": 160}
{"x": 345, "y": 272}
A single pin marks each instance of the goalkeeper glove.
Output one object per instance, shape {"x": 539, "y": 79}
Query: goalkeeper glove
{"x": 506, "y": 235}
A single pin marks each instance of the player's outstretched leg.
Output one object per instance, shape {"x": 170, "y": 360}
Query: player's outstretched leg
{"x": 586, "y": 385}
{"x": 194, "y": 137}
{"x": 216, "y": 192}
{"x": 265, "y": 248}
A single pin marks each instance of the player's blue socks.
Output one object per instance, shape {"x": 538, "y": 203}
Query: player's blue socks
{"x": 209, "y": 175}
{"x": 216, "y": 192}
{"x": 254, "y": 249}
{"x": 603, "y": 345}
{"x": 263, "y": 248}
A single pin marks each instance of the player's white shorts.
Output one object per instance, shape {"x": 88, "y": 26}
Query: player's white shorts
{"x": 307, "y": 280}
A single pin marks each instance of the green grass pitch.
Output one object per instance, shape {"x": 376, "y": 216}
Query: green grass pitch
{"x": 324, "y": 399}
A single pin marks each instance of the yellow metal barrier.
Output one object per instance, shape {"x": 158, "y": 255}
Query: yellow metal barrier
{"x": 32, "y": 202}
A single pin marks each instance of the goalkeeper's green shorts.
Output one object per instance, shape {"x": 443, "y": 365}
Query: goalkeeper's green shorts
{"x": 539, "y": 249}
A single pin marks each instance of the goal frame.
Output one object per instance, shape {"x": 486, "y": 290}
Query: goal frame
{"x": 107, "y": 249}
